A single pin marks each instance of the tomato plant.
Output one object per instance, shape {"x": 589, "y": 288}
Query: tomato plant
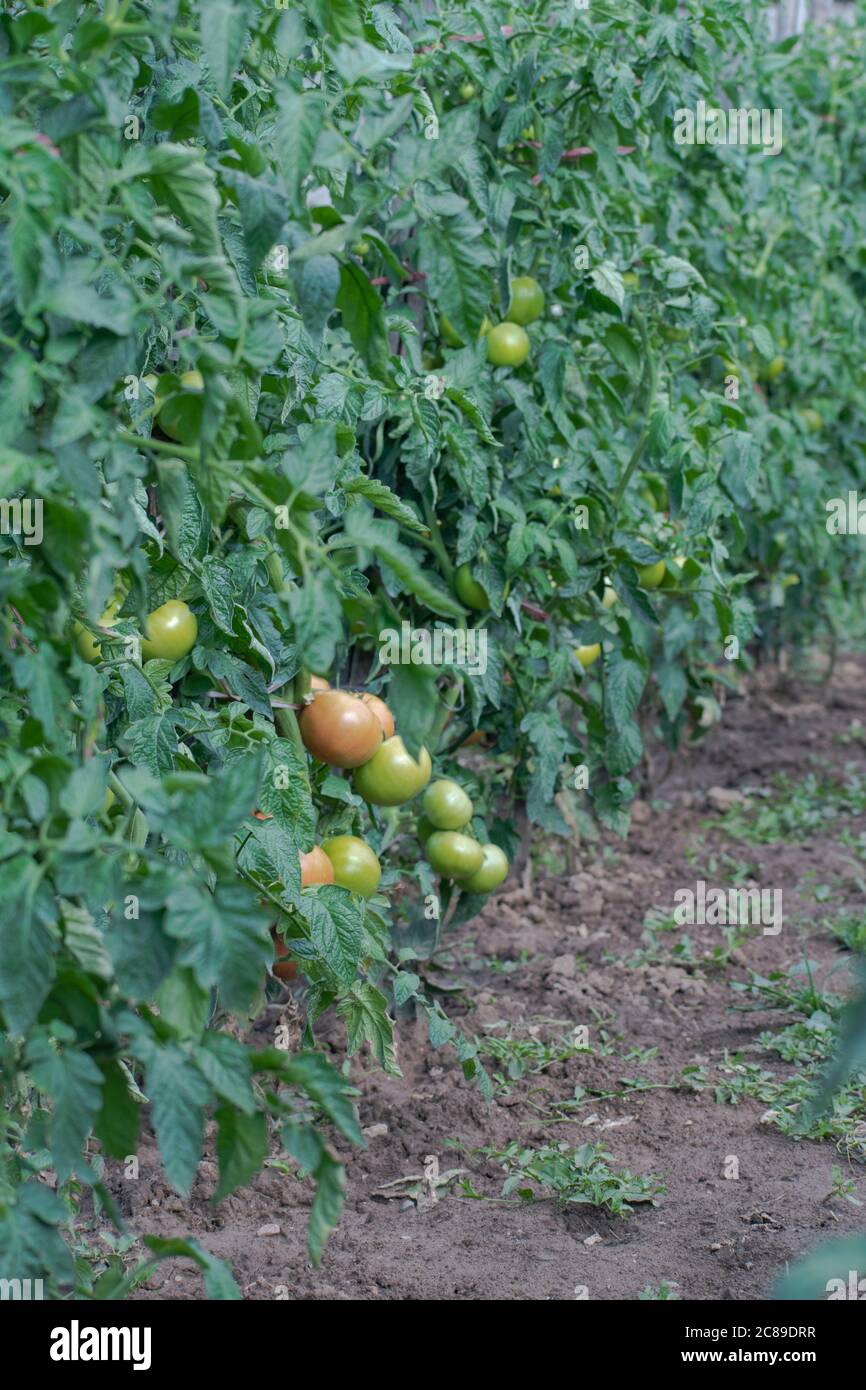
{"x": 267, "y": 274}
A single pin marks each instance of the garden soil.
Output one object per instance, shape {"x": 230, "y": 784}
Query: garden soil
{"x": 550, "y": 954}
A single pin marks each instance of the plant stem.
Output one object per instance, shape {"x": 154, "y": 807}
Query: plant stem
{"x": 436, "y": 543}
{"x": 159, "y": 446}
{"x": 120, "y": 791}
{"x": 286, "y": 724}
{"x": 651, "y": 377}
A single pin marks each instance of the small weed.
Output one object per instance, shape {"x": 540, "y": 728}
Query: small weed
{"x": 691, "y": 1078}
{"x": 787, "y": 990}
{"x": 664, "y": 1293}
{"x": 855, "y": 842}
{"x": 850, "y": 929}
{"x": 640, "y": 1054}
{"x": 844, "y": 1122}
{"x": 520, "y": 1056}
{"x": 843, "y": 1188}
{"x": 726, "y": 868}
{"x": 811, "y": 1040}
{"x": 568, "y": 1176}
{"x": 654, "y": 951}
{"x": 498, "y": 964}
{"x": 798, "y": 809}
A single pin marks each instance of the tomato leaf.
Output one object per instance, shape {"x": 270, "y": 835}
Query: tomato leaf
{"x": 335, "y": 929}
{"x": 241, "y": 1147}
{"x": 224, "y": 938}
{"x": 364, "y": 319}
{"x": 364, "y": 1010}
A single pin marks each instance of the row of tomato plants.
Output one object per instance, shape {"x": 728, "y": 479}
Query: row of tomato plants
{"x": 318, "y": 323}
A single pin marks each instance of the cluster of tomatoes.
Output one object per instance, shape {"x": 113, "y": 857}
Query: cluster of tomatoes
{"x": 508, "y": 342}
{"x": 355, "y": 732}
{"x": 452, "y": 853}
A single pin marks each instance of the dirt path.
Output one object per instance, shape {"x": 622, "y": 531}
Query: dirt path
{"x": 569, "y": 953}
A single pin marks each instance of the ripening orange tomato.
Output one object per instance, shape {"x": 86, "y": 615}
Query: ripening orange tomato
{"x": 316, "y": 867}
{"x": 339, "y": 728}
{"x": 382, "y": 713}
{"x": 355, "y": 865}
{"x": 282, "y": 968}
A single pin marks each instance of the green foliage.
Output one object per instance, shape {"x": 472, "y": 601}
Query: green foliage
{"x": 825, "y": 1273}
{"x": 184, "y": 187}
{"x": 582, "y": 1176}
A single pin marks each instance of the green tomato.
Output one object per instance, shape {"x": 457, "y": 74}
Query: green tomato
{"x": 775, "y": 369}
{"x": 446, "y": 805}
{"x": 655, "y": 494}
{"x": 493, "y": 871}
{"x": 812, "y": 420}
{"x": 468, "y": 590}
{"x": 651, "y": 576}
{"x": 392, "y": 777}
{"x": 587, "y": 655}
{"x": 610, "y": 595}
{"x": 180, "y": 415}
{"x": 507, "y": 345}
{"x": 631, "y": 280}
{"x": 527, "y": 300}
{"x": 170, "y": 632}
{"x": 361, "y": 248}
{"x": 467, "y": 91}
{"x": 454, "y": 855}
{"x": 87, "y": 644}
{"x": 355, "y": 865}
{"x": 89, "y": 649}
